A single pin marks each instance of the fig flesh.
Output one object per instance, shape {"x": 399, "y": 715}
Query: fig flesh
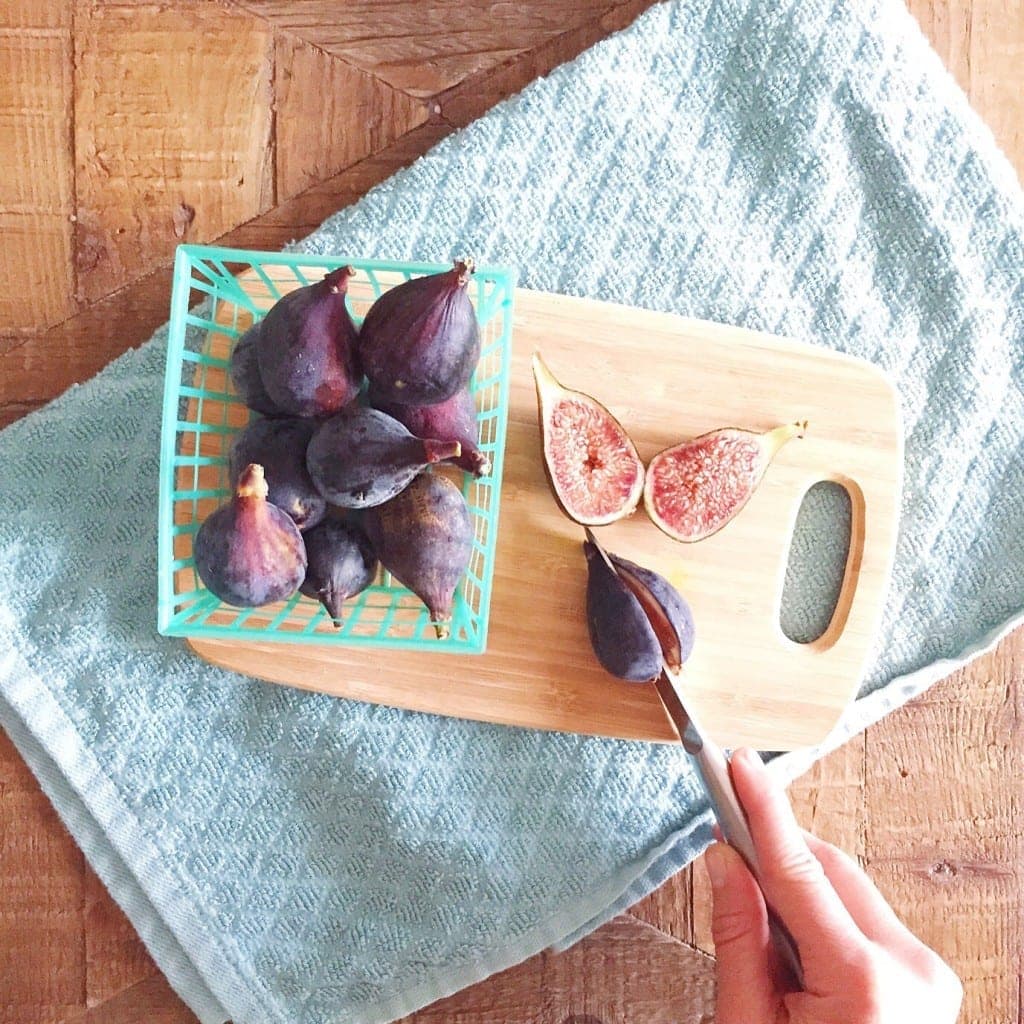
{"x": 341, "y": 564}
{"x": 306, "y": 349}
{"x": 420, "y": 341}
{"x": 695, "y": 488}
{"x": 363, "y": 457}
{"x": 279, "y": 446}
{"x": 637, "y": 620}
{"x": 424, "y": 537}
{"x": 451, "y": 420}
{"x": 594, "y": 468}
{"x": 245, "y": 374}
{"x": 248, "y": 552}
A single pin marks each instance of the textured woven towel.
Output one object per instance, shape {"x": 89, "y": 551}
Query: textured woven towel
{"x": 804, "y": 168}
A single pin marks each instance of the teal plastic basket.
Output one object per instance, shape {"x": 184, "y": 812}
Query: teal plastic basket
{"x": 201, "y": 415}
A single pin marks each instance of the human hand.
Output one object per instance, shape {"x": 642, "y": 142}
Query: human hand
{"x": 861, "y": 964}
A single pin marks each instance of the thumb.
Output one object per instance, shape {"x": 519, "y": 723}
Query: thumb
{"x": 739, "y": 926}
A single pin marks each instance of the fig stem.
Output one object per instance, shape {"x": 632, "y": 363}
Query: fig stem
{"x": 442, "y": 630}
{"x": 775, "y": 439}
{"x": 252, "y": 483}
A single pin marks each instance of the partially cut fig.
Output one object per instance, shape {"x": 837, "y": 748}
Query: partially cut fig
{"x": 637, "y": 620}
{"x": 695, "y": 488}
{"x": 594, "y": 468}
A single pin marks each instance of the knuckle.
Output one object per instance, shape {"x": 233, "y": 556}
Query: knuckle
{"x": 796, "y": 864}
{"x": 729, "y": 927}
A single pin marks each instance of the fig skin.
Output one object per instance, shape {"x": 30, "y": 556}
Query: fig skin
{"x": 341, "y": 564}
{"x": 451, "y": 420}
{"x": 697, "y": 488}
{"x": 424, "y": 537}
{"x": 248, "y": 552}
{"x": 306, "y": 349}
{"x": 279, "y": 446}
{"x": 245, "y": 374}
{"x": 362, "y": 457}
{"x": 633, "y": 635}
{"x": 420, "y": 341}
{"x": 594, "y": 469}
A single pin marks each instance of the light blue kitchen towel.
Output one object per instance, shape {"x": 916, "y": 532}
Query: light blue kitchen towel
{"x": 805, "y": 168}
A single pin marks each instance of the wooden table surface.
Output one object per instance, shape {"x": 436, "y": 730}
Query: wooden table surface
{"x": 929, "y": 799}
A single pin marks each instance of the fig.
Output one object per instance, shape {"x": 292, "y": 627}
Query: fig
{"x": 244, "y": 371}
{"x": 248, "y": 552}
{"x": 279, "y": 446}
{"x": 451, "y": 420}
{"x": 424, "y": 537}
{"x": 594, "y": 468}
{"x": 420, "y": 341}
{"x": 306, "y": 349}
{"x": 636, "y": 618}
{"x": 341, "y": 564}
{"x": 363, "y": 457}
{"x": 695, "y": 488}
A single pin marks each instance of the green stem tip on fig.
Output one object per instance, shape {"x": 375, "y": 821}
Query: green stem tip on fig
{"x": 695, "y": 488}
{"x": 594, "y": 468}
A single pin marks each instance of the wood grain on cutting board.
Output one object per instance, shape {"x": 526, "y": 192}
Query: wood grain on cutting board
{"x": 666, "y": 379}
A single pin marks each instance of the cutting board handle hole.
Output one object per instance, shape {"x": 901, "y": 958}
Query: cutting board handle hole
{"x": 816, "y": 565}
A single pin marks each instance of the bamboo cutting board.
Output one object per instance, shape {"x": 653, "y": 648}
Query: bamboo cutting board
{"x": 666, "y": 379}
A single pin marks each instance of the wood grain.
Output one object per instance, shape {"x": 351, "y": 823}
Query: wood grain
{"x": 974, "y": 37}
{"x": 36, "y": 210}
{"x": 173, "y": 135}
{"x": 331, "y": 115}
{"x": 426, "y": 47}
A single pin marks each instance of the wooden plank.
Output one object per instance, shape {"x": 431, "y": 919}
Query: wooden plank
{"x": 150, "y": 1001}
{"x": 42, "y": 947}
{"x": 173, "y": 132}
{"x": 115, "y": 958}
{"x": 36, "y": 210}
{"x": 944, "y": 827}
{"x": 625, "y": 973}
{"x": 477, "y": 93}
{"x": 424, "y": 48}
{"x": 331, "y": 115}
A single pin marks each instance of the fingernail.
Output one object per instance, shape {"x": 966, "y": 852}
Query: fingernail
{"x": 717, "y": 865}
{"x": 750, "y": 759}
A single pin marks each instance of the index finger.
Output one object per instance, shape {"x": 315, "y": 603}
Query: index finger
{"x": 794, "y": 883}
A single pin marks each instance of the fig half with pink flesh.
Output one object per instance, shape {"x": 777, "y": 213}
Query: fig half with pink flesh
{"x": 695, "y": 488}
{"x": 594, "y": 468}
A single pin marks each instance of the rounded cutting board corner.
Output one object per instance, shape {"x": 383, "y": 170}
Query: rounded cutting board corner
{"x": 666, "y": 378}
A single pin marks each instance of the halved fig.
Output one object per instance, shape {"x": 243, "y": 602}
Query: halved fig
{"x": 695, "y": 488}
{"x": 594, "y": 468}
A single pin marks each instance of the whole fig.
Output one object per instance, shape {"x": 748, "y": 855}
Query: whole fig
{"x": 420, "y": 341}
{"x": 245, "y": 374}
{"x": 341, "y": 564}
{"x": 306, "y": 349}
{"x": 636, "y": 618}
{"x": 363, "y": 457}
{"x": 248, "y": 552}
{"x": 279, "y": 446}
{"x": 424, "y": 537}
{"x": 451, "y": 420}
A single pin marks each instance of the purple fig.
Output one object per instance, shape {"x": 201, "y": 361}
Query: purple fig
{"x": 306, "y": 349}
{"x": 341, "y": 564}
{"x": 279, "y": 446}
{"x": 362, "y": 457}
{"x": 248, "y": 552}
{"x": 636, "y": 618}
{"x": 420, "y": 341}
{"x": 424, "y": 537}
{"x": 245, "y": 374}
{"x": 451, "y": 420}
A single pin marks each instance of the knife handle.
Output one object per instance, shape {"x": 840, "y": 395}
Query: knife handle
{"x": 713, "y": 767}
